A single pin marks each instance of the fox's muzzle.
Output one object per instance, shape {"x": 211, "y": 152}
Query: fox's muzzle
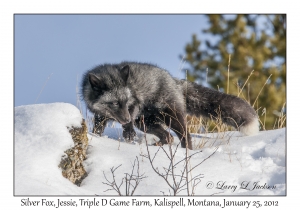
{"x": 124, "y": 121}
{"x": 124, "y": 117}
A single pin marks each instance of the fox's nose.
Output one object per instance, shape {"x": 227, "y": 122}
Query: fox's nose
{"x": 127, "y": 120}
{"x": 125, "y": 116}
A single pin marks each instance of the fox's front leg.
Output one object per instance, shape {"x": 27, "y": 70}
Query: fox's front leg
{"x": 128, "y": 129}
{"x": 99, "y": 124}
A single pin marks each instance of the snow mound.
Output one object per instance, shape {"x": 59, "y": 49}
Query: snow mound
{"x": 41, "y": 137}
{"x": 241, "y": 165}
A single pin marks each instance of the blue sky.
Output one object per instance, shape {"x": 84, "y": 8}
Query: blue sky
{"x": 63, "y": 47}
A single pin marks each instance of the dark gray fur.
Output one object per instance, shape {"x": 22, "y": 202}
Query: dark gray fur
{"x": 206, "y": 102}
{"x": 146, "y": 96}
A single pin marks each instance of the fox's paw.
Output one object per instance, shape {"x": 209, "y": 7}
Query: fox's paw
{"x": 189, "y": 145}
{"x": 167, "y": 140}
{"x": 98, "y": 130}
{"x": 129, "y": 135}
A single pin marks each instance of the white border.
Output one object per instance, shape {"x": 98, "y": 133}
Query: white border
{"x": 8, "y": 8}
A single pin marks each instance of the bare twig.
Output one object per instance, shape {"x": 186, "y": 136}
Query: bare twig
{"x": 228, "y": 74}
{"x": 177, "y": 181}
{"x": 131, "y": 180}
{"x": 43, "y": 87}
{"x": 261, "y": 90}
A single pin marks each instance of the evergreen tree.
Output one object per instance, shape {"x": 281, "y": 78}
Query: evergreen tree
{"x": 243, "y": 43}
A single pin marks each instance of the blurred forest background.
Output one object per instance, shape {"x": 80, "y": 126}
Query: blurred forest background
{"x": 245, "y": 55}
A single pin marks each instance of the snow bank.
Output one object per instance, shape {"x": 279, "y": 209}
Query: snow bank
{"x": 41, "y": 137}
{"x": 242, "y": 165}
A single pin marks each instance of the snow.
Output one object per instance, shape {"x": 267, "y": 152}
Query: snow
{"x": 41, "y": 137}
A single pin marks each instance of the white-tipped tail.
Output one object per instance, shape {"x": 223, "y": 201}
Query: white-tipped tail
{"x": 250, "y": 128}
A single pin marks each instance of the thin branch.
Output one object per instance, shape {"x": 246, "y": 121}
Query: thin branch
{"x": 204, "y": 159}
{"x": 43, "y": 87}
{"x": 129, "y": 178}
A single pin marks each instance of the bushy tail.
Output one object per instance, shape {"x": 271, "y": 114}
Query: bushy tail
{"x": 234, "y": 111}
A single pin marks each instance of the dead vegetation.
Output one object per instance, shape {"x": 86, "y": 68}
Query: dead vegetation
{"x": 72, "y": 162}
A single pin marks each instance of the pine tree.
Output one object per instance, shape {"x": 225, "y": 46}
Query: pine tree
{"x": 253, "y": 49}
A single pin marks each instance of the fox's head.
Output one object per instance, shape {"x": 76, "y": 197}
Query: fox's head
{"x": 109, "y": 95}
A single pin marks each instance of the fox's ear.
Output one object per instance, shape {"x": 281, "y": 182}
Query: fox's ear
{"x": 125, "y": 72}
{"x": 96, "y": 83}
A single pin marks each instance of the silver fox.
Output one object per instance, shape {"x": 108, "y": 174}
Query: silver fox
{"x": 148, "y": 97}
